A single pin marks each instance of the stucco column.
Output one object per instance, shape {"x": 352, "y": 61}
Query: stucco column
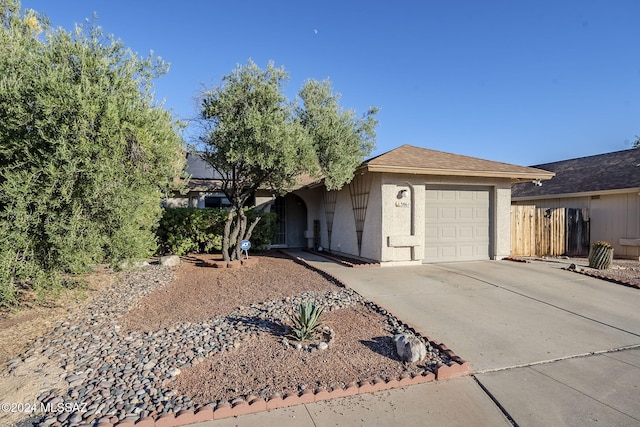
{"x": 502, "y": 225}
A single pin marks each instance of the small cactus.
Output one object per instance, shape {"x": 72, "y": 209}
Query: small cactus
{"x": 600, "y": 255}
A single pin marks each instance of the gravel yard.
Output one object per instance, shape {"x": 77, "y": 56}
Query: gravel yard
{"x": 157, "y": 340}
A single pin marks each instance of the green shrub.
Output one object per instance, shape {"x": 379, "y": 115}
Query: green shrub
{"x": 185, "y": 230}
{"x": 194, "y": 230}
{"x": 306, "y": 321}
{"x": 265, "y": 230}
{"x": 85, "y": 152}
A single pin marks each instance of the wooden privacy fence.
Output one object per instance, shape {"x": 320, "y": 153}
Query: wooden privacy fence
{"x": 549, "y": 231}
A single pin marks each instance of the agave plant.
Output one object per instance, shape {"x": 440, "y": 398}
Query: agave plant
{"x": 306, "y": 321}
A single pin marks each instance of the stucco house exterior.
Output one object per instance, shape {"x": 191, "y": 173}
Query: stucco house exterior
{"x": 407, "y": 206}
{"x": 413, "y": 205}
{"x": 606, "y": 185}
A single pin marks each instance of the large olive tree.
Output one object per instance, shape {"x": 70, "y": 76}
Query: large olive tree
{"x": 255, "y": 137}
{"x": 85, "y": 152}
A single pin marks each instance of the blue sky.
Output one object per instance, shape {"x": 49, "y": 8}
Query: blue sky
{"x": 524, "y": 82}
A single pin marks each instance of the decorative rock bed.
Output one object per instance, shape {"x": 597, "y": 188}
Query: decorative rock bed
{"x": 122, "y": 379}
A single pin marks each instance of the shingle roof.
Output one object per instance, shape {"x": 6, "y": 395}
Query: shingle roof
{"x": 602, "y": 172}
{"x": 204, "y": 178}
{"x": 423, "y": 161}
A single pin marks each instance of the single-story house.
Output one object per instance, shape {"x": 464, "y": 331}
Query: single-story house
{"x": 407, "y": 206}
{"x": 607, "y": 185}
{"x": 414, "y": 205}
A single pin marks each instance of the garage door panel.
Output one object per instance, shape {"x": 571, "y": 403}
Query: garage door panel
{"x": 481, "y": 214}
{"x": 465, "y": 251}
{"x": 447, "y": 233}
{"x": 447, "y": 214}
{"x": 466, "y": 213}
{"x": 447, "y": 196}
{"x": 456, "y": 224}
{"x": 481, "y": 233}
{"x": 466, "y": 195}
{"x": 467, "y": 232}
{"x": 481, "y": 195}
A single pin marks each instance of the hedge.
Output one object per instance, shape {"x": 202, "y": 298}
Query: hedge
{"x": 193, "y": 230}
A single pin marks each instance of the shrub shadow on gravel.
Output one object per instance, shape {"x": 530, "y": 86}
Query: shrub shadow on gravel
{"x": 382, "y": 345}
{"x": 261, "y": 325}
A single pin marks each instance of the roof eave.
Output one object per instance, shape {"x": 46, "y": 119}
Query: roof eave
{"x": 517, "y": 176}
{"x": 582, "y": 194}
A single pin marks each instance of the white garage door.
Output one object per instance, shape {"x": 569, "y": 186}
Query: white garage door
{"x": 457, "y": 225}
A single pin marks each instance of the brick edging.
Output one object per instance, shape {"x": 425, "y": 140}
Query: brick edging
{"x": 258, "y": 404}
{"x": 247, "y": 262}
{"x": 342, "y": 261}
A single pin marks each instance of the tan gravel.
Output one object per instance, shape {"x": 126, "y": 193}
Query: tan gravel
{"x": 200, "y": 293}
{"x": 261, "y": 365}
{"x": 363, "y": 350}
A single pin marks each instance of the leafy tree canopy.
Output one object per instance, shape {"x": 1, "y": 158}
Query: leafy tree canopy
{"x": 255, "y": 137}
{"x": 85, "y": 152}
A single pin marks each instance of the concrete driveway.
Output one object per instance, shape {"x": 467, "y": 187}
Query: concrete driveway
{"x": 548, "y": 347}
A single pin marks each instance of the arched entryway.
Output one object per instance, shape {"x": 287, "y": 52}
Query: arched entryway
{"x": 291, "y": 212}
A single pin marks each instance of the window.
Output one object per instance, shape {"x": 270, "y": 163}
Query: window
{"x": 216, "y": 201}
{"x": 278, "y": 207}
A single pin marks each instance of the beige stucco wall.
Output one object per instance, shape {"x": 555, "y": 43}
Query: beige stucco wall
{"x": 397, "y": 215}
{"x": 502, "y": 220}
{"x": 189, "y": 200}
{"x": 344, "y": 237}
{"x": 264, "y": 198}
{"x": 613, "y": 216}
{"x": 394, "y": 226}
{"x": 402, "y": 226}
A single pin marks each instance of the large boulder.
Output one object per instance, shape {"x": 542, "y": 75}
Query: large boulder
{"x": 410, "y": 348}
{"x": 170, "y": 261}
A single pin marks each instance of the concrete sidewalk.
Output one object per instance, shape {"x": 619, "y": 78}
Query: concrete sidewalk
{"x": 547, "y": 347}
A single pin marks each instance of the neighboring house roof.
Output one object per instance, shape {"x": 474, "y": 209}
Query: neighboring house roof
{"x": 603, "y": 172}
{"x": 205, "y": 179}
{"x": 198, "y": 168}
{"x": 423, "y": 161}
{"x": 204, "y": 185}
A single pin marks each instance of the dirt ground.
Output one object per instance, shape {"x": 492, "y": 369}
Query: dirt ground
{"x": 21, "y": 326}
{"x": 33, "y": 319}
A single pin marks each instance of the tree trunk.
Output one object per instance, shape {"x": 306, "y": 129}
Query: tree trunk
{"x": 233, "y": 240}
{"x": 242, "y": 221}
{"x": 225, "y": 238}
{"x": 247, "y": 234}
{"x": 251, "y": 227}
